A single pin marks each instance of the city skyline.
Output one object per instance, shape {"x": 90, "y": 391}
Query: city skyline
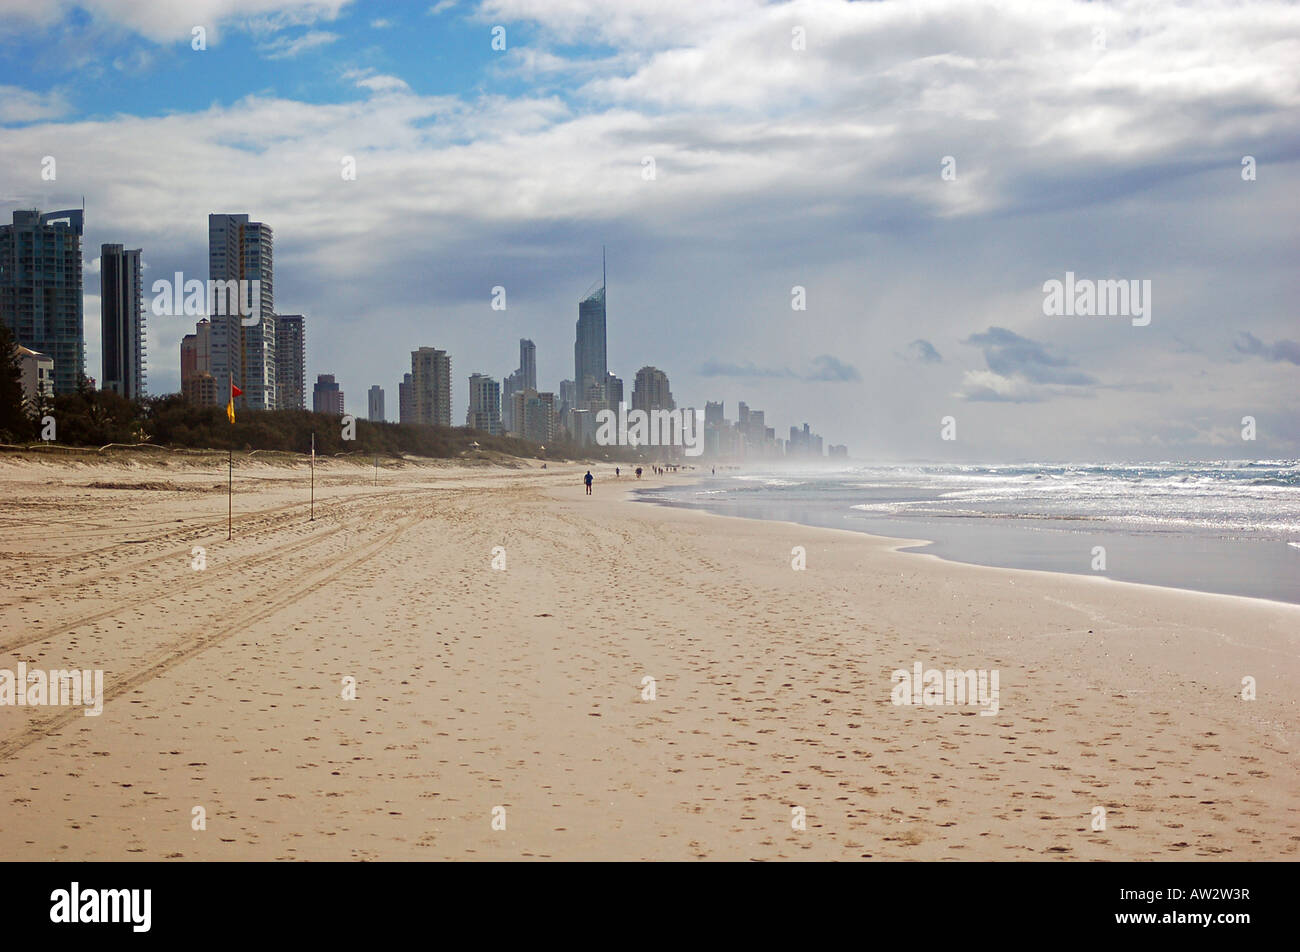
{"x": 916, "y": 221}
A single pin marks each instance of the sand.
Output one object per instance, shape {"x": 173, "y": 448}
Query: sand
{"x": 522, "y": 688}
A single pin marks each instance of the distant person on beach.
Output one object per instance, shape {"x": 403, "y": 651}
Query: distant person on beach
{"x": 638, "y": 472}
{"x": 587, "y": 479}
{"x": 616, "y": 472}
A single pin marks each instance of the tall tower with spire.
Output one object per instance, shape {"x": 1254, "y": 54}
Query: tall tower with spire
{"x": 589, "y": 363}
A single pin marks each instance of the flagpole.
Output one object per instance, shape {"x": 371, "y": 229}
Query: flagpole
{"x": 230, "y": 460}
{"x": 313, "y": 477}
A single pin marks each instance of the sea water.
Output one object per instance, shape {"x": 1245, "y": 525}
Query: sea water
{"x": 1227, "y": 526}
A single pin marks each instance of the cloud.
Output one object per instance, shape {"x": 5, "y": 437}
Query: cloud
{"x": 987, "y": 386}
{"x": 166, "y": 21}
{"x": 382, "y": 23}
{"x": 21, "y": 105}
{"x": 1012, "y": 356}
{"x": 440, "y": 7}
{"x": 377, "y": 82}
{"x": 718, "y": 368}
{"x": 922, "y": 351}
{"x": 1020, "y": 370}
{"x": 1283, "y": 350}
{"x": 825, "y": 368}
{"x": 286, "y": 47}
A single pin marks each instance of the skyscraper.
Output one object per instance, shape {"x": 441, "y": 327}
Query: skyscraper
{"x": 568, "y": 395}
{"x": 613, "y": 390}
{"x": 196, "y": 350}
{"x": 121, "y": 321}
{"x": 375, "y": 404}
{"x": 484, "y": 404}
{"x": 568, "y": 403}
{"x": 528, "y": 363}
{"x": 650, "y": 391}
{"x": 523, "y": 378}
{"x": 534, "y": 416}
{"x": 326, "y": 397}
{"x": 243, "y": 250}
{"x": 41, "y": 290}
{"x": 431, "y": 387}
{"x": 197, "y": 383}
{"x": 513, "y": 384}
{"x": 589, "y": 364}
{"x": 291, "y": 361}
{"x": 405, "y": 402}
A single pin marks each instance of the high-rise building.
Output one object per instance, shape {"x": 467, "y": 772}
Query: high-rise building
{"x": 431, "y": 386}
{"x": 196, "y": 350}
{"x": 803, "y": 442}
{"x": 122, "y": 324}
{"x": 713, "y": 413}
{"x": 405, "y": 402}
{"x": 484, "y": 404}
{"x": 568, "y": 403}
{"x": 513, "y": 384}
{"x": 613, "y": 390}
{"x": 41, "y": 289}
{"x": 291, "y": 361}
{"x": 200, "y": 389}
{"x": 196, "y": 361}
{"x": 528, "y": 363}
{"x": 589, "y": 364}
{"x": 326, "y": 397}
{"x": 243, "y": 354}
{"x": 523, "y": 378}
{"x": 534, "y": 416}
{"x": 375, "y": 404}
{"x": 650, "y": 391}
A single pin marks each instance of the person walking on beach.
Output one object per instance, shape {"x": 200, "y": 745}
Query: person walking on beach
{"x": 587, "y": 479}
{"x": 638, "y": 472}
{"x": 616, "y": 472}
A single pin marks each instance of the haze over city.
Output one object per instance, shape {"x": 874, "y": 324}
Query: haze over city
{"x": 1105, "y": 140}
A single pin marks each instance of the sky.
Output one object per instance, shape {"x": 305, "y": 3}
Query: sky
{"x": 914, "y": 173}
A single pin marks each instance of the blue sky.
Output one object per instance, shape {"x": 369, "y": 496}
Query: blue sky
{"x": 798, "y": 143}
{"x": 101, "y": 68}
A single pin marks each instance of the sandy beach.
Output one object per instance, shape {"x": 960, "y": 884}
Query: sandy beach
{"x": 522, "y": 686}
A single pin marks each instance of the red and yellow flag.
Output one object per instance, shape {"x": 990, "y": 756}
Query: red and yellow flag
{"x": 230, "y": 404}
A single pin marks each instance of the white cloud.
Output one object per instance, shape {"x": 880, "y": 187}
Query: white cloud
{"x": 166, "y": 21}
{"x": 22, "y": 105}
{"x": 286, "y": 47}
{"x": 377, "y": 82}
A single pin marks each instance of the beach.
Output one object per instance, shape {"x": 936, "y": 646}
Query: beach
{"x": 522, "y": 686}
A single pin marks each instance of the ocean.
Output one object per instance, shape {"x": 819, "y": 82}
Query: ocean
{"x": 1227, "y": 526}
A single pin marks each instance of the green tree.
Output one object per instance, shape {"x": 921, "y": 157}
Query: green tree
{"x": 14, "y": 424}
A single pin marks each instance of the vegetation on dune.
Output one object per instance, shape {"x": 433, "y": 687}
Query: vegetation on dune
{"x": 95, "y": 418}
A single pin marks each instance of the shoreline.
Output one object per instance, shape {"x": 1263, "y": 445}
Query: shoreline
{"x": 912, "y": 545}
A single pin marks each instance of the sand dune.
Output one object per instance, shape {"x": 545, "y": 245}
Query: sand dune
{"x": 522, "y": 688}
